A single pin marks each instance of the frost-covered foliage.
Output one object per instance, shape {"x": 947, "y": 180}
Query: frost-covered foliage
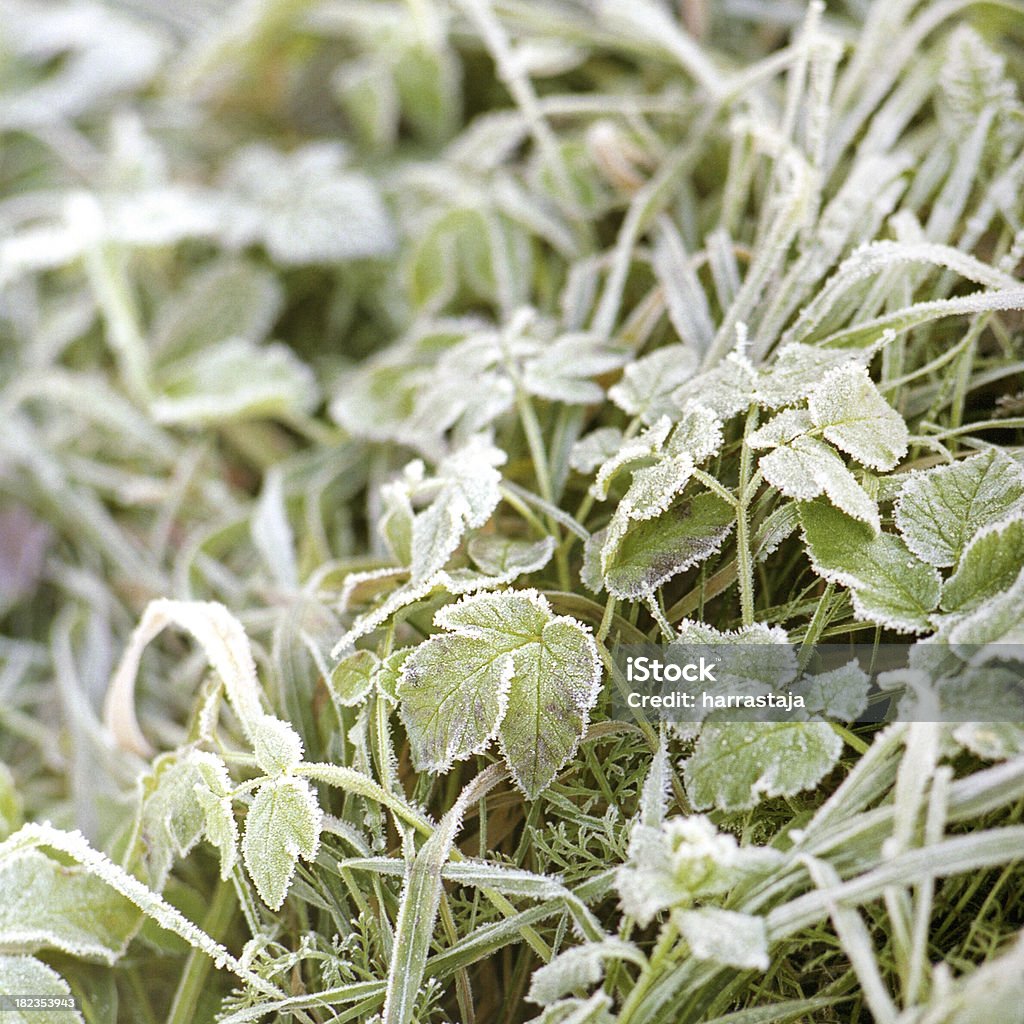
{"x": 369, "y": 371}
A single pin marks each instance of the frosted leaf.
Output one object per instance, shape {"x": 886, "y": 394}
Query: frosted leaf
{"x": 453, "y": 692}
{"x": 593, "y": 1010}
{"x": 48, "y": 905}
{"x": 889, "y": 584}
{"x": 212, "y": 793}
{"x": 234, "y": 380}
{"x": 427, "y": 517}
{"x": 647, "y": 385}
{"x": 561, "y": 371}
{"x": 783, "y": 428}
{"x": 594, "y": 448}
{"x": 305, "y": 206}
{"x": 272, "y": 533}
{"x": 998, "y": 620}
{"x": 857, "y": 419}
{"x": 685, "y": 860}
{"x": 95, "y": 54}
{"x": 762, "y": 659}
{"x": 507, "y": 558}
{"x": 939, "y": 510}
{"x": 698, "y": 434}
{"x": 991, "y": 741}
{"x": 972, "y": 78}
{"x": 352, "y": 678}
{"x": 504, "y": 666}
{"x": 25, "y": 975}
{"x": 653, "y": 487}
{"x": 580, "y": 967}
{"x": 642, "y": 448}
{"x": 687, "y": 304}
{"x": 795, "y": 372}
{"x": 727, "y": 389}
{"x": 990, "y": 563}
{"x": 651, "y": 552}
{"x": 737, "y": 764}
{"x": 282, "y": 825}
{"x": 725, "y": 936}
{"x": 807, "y": 467}
{"x": 657, "y": 786}
{"x": 590, "y": 571}
{"x": 231, "y": 298}
{"x": 276, "y": 744}
{"x": 840, "y": 693}
{"x": 389, "y": 673}
{"x": 170, "y": 819}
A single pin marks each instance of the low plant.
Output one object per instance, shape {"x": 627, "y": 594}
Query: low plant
{"x": 370, "y": 373}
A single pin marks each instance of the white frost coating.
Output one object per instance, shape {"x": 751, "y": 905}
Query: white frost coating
{"x": 283, "y": 824}
{"x": 939, "y": 511}
{"x": 223, "y": 639}
{"x": 854, "y": 416}
{"x": 540, "y": 709}
{"x": 75, "y": 846}
{"x": 725, "y": 936}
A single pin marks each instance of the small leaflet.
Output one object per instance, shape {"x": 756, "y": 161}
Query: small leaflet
{"x": 725, "y": 936}
{"x": 989, "y": 564}
{"x": 938, "y": 511}
{"x": 283, "y": 824}
{"x": 505, "y": 667}
{"x": 855, "y": 417}
{"x": 647, "y": 385}
{"x": 735, "y": 765}
{"x": 889, "y": 584}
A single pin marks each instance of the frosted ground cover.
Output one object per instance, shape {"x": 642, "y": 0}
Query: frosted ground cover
{"x": 370, "y": 373}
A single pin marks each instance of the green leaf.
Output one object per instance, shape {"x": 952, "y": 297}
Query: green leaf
{"x": 276, "y": 745}
{"x": 170, "y": 819}
{"x": 352, "y": 678}
{"x": 648, "y": 383}
{"x": 508, "y": 558}
{"x": 579, "y": 967}
{"x": 235, "y": 379}
{"x": 213, "y": 796}
{"x": 48, "y": 905}
{"x": 989, "y": 564}
{"x": 737, "y": 764}
{"x": 889, "y": 584}
{"x": 795, "y": 372}
{"x": 725, "y": 936}
{"x": 282, "y": 825}
{"x": 939, "y": 511}
{"x": 806, "y": 468}
{"x": 651, "y": 552}
{"x": 999, "y": 620}
{"x": 505, "y": 666}
{"x": 305, "y": 207}
{"x": 11, "y": 805}
{"x": 855, "y": 417}
{"x": 27, "y": 976}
